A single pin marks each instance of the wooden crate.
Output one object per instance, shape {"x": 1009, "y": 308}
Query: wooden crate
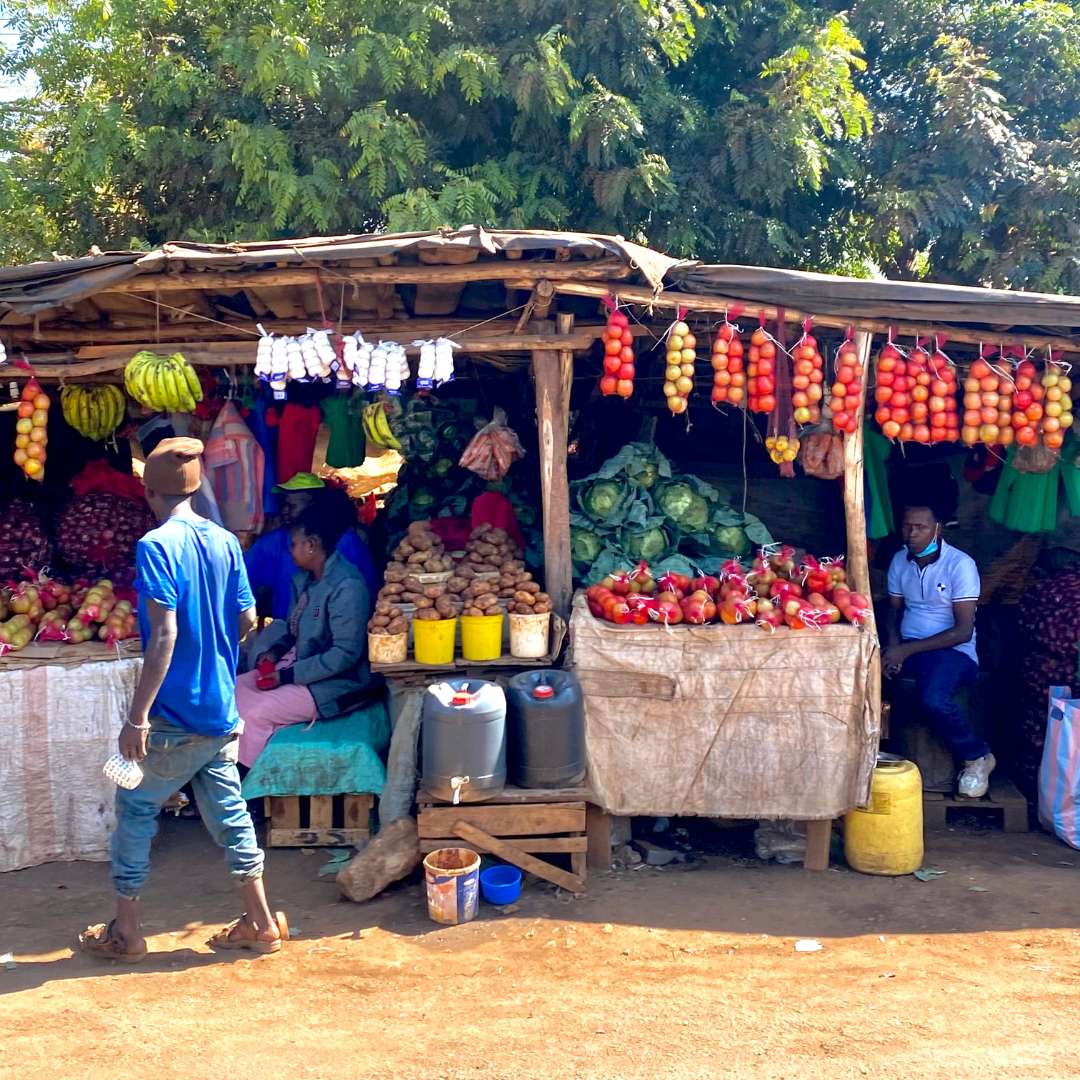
{"x": 1002, "y": 799}
{"x": 535, "y": 821}
{"x": 318, "y": 820}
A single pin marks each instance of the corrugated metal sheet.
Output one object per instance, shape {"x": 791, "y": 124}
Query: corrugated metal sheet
{"x": 854, "y": 298}
{"x": 36, "y": 287}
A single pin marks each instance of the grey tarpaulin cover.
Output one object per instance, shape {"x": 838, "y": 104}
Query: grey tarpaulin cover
{"x": 726, "y": 721}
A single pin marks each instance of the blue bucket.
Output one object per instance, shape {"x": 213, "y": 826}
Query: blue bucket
{"x": 500, "y": 884}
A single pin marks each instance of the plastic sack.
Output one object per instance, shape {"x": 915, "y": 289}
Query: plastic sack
{"x": 493, "y": 449}
{"x": 1059, "y": 774}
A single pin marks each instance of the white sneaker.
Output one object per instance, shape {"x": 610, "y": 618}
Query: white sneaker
{"x": 975, "y": 777}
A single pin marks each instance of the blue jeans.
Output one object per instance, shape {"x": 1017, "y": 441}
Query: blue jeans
{"x": 174, "y": 758}
{"x": 939, "y": 675}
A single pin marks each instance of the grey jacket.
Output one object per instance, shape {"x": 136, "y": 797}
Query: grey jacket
{"x": 331, "y": 637}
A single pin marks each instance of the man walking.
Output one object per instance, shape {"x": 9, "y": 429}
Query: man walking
{"x": 195, "y": 605}
{"x": 930, "y": 637}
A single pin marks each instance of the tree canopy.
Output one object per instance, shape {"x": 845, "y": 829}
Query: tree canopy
{"x": 907, "y": 137}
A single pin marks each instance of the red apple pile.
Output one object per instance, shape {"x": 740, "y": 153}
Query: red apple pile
{"x": 729, "y": 379}
{"x": 618, "y": 377}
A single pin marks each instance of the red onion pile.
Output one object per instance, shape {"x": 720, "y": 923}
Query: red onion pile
{"x": 97, "y": 533}
{"x": 1049, "y": 625}
{"x": 24, "y": 543}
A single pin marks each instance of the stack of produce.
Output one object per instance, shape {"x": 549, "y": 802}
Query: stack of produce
{"x": 1048, "y": 621}
{"x": 162, "y": 383}
{"x": 988, "y": 414}
{"x": 729, "y": 380}
{"x": 93, "y": 411}
{"x": 417, "y": 575}
{"x": 387, "y": 618}
{"x": 31, "y": 431}
{"x": 490, "y": 552}
{"x": 761, "y": 372}
{"x": 97, "y": 533}
{"x": 847, "y": 390}
{"x": 24, "y": 544}
{"x": 618, "y": 377}
{"x": 420, "y": 552}
{"x": 782, "y": 448}
{"x": 808, "y": 364}
{"x": 679, "y": 373}
{"x": 776, "y": 591}
{"x": 1057, "y": 404}
{"x": 51, "y": 610}
{"x": 634, "y": 509}
{"x": 938, "y": 383}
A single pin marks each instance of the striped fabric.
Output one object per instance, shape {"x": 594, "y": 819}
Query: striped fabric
{"x": 234, "y": 463}
{"x": 1059, "y": 777}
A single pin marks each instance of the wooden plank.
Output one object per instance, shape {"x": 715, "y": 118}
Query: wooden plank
{"x": 503, "y": 820}
{"x": 598, "y": 834}
{"x": 470, "y": 833}
{"x": 818, "y": 842}
{"x": 530, "y": 270}
{"x": 624, "y": 684}
{"x": 550, "y": 845}
{"x": 358, "y": 811}
{"x": 285, "y": 811}
{"x": 321, "y": 812}
{"x": 553, "y": 374}
{"x": 579, "y": 864}
{"x": 315, "y": 837}
{"x": 671, "y": 301}
{"x": 509, "y": 794}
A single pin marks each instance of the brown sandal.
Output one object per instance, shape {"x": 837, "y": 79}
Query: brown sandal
{"x": 239, "y": 934}
{"x": 103, "y": 942}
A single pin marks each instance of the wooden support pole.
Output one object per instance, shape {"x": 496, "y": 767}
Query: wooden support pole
{"x": 818, "y": 842}
{"x": 553, "y": 374}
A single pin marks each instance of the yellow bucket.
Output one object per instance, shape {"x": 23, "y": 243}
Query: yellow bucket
{"x": 886, "y": 836}
{"x": 433, "y": 641}
{"x": 481, "y": 637}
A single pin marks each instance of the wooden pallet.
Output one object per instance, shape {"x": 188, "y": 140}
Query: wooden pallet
{"x": 535, "y": 821}
{"x": 318, "y": 820}
{"x": 1003, "y": 798}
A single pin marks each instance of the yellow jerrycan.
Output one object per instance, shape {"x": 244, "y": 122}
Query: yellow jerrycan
{"x": 886, "y": 836}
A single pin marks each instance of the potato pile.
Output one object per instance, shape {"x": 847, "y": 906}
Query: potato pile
{"x": 420, "y": 552}
{"x": 490, "y": 552}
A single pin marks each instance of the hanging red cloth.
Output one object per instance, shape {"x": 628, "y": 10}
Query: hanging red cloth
{"x": 298, "y": 428}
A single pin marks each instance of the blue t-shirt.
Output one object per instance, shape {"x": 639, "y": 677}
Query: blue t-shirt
{"x": 196, "y": 568}
{"x": 270, "y": 566}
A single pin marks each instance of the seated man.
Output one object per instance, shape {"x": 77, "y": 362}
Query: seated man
{"x": 935, "y": 588}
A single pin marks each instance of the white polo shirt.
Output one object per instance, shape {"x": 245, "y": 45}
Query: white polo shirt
{"x": 929, "y": 593}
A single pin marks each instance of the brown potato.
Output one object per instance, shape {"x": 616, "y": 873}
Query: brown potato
{"x": 398, "y": 626}
{"x": 416, "y": 558}
{"x": 487, "y": 599}
{"x": 497, "y": 536}
{"x": 392, "y": 588}
{"x": 378, "y": 630}
{"x": 473, "y": 612}
{"x": 522, "y": 609}
{"x": 382, "y": 607}
{"x": 529, "y": 586}
{"x": 380, "y": 620}
{"x": 412, "y": 584}
{"x": 522, "y": 597}
{"x": 542, "y": 598}
{"x": 423, "y": 603}
{"x": 542, "y": 607}
{"x": 428, "y": 615}
{"x": 396, "y": 572}
{"x": 433, "y": 592}
{"x": 456, "y": 584}
{"x": 466, "y": 571}
{"x": 494, "y": 609}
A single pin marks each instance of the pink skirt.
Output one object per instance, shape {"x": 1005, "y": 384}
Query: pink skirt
{"x": 262, "y": 712}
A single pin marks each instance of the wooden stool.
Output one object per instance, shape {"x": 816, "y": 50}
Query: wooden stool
{"x": 536, "y": 821}
{"x": 1003, "y": 798}
{"x": 318, "y": 820}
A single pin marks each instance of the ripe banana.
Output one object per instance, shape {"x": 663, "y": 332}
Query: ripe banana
{"x": 94, "y": 411}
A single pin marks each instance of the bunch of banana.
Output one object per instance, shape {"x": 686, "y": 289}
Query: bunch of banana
{"x": 93, "y": 411}
{"x": 377, "y": 426}
{"x": 162, "y": 383}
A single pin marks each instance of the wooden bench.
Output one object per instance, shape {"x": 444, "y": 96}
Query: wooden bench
{"x": 318, "y": 820}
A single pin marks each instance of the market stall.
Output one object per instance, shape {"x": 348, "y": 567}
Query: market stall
{"x": 504, "y": 372}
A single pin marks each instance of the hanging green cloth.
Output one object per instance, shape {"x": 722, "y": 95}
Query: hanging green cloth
{"x": 346, "y": 447}
{"x": 1026, "y": 502}
{"x": 879, "y": 511}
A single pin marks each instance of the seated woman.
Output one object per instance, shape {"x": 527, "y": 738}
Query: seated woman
{"x": 320, "y": 651}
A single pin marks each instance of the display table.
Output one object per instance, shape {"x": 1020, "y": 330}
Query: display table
{"x": 726, "y": 721}
{"x": 63, "y": 714}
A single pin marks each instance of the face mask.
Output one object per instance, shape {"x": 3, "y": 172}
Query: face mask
{"x": 930, "y": 549}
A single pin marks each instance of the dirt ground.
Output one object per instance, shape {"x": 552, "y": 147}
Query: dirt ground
{"x": 681, "y": 972}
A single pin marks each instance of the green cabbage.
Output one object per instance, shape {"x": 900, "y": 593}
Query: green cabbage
{"x": 644, "y": 544}
{"x": 604, "y": 500}
{"x": 585, "y": 546}
{"x": 681, "y": 504}
{"x": 731, "y": 540}
{"x": 644, "y": 473}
